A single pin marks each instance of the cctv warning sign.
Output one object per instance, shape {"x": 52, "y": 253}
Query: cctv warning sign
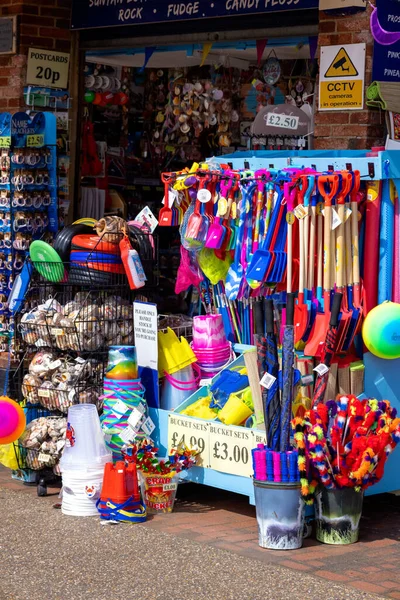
{"x": 341, "y": 81}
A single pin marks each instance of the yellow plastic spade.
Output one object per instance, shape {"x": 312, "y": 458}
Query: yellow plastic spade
{"x": 173, "y": 354}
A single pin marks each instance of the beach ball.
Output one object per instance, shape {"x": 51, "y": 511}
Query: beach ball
{"x": 381, "y": 330}
{"x": 12, "y": 420}
{"x": 89, "y": 97}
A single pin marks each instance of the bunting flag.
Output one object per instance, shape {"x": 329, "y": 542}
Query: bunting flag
{"x": 260, "y": 50}
{"x": 148, "y": 53}
{"x": 206, "y": 51}
{"x": 313, "y": 43}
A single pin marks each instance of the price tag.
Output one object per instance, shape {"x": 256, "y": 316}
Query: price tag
{"x": 5, "y": 141}
{"x": 148, "y": 426}
{"x": 320, "y": 208}
{"x": 347, "y": 214}
{"x": 44, "y": 457}
{"x": 80, "y": 360}
{"x": 55, "y": 364}
{"x": 120, "y": 408}
{"x": 35, "y": 141}
{"x": 336, "y": 220}
{"x": 43, "y": 393}
{"x": 172, "y": 196}
{"x": 301, "y": 211}
{"x": 321, "y": 369}
{"x": 205, "y": 382}
{"x": 60, "y": 445}
{"x": 204, "y": 196}
{"x": 268, "y": 381}
{"x": 169, "y": 487}
{"x": 282, "y": 121}
{"x": 142, "y": 408}
{"x": 135, "y": 417}
{"x": 127, "y": 435}
{"x": 307, "y": 379}
{"x": 56, "y": 331}
{"x": 184, "y": 430}
{"x": 230, "y": 449}
{"x": 107, "y": 436}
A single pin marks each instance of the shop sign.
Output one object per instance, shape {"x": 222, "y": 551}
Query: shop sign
{"x": 389, "y": 14}
{"x": 341, "y": 80}
{"x": 184, "y": 430}
{"x": 48, "y": 68}
{"x": 386, "y": 64}
{"x": 89, "y": 14}
{"x": 8, "y": 35}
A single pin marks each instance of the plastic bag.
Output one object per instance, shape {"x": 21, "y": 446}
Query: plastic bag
{"x": 8, "y": 457}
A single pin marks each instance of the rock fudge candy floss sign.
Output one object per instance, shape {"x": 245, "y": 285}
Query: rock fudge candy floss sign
{"x": 341, "y": 78}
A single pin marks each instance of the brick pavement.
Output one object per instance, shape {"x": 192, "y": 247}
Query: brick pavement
{"x": 225, "y": 520}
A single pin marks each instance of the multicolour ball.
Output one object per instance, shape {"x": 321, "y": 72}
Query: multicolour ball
{"x": 381, "y": 330}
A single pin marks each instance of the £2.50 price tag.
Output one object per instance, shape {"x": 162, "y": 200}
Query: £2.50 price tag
{"x": 183, "y": 430}
{"x": 282, "y": 121}
{"x": 35, "y": 141}
{"x": 230, "y": 449}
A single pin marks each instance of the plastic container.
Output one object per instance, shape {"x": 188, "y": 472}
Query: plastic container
{"x": 337, "y": 515}
{"x": 235, "y": 411}
{"x": 122, "y": 363}
{"x": 178, "y": 387}
{"x": 208, "y": 332}
{"x": 81, "y": 491}
{"x": 85, "y": 445}
{"x": 158, "y": 492}
{"x": 280, "y": 515}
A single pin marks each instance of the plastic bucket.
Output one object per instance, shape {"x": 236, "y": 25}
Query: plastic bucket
{"x": 235, "y": 411}
{"x": 280, "y": 515}
{"x": 208, "y": 331}
{"x": 337, "y": 515}
{"x": 178, "y": 387}
{"x": 158, "y": 492}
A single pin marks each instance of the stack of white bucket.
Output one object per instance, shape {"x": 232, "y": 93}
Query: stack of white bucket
{"x": 82, "y": 464}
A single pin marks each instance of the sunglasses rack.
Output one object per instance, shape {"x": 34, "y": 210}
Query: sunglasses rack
{"x": 28, "y": 193}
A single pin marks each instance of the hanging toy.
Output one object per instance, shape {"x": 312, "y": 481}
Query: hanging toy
{"x": 12, "y": 420}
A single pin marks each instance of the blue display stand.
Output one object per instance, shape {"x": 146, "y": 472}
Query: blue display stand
{"x": 381, "y": 376}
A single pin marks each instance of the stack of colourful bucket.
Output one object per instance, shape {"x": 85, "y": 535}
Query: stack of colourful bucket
{"x": 210, "y": 345}
{"x": 120, "y": 495}
{"x": 123, "y": 392}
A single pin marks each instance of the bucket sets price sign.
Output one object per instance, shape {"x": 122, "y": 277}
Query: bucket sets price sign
{"x": 182, "y": 430}
{"x": 230, "y": 449}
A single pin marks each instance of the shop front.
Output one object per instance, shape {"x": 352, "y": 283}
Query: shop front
{"x": 217, "y": 298}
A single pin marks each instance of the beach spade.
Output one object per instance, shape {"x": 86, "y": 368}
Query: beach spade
{"x": 236, "y": 272}
{"x": 166, "y": 215}
{"x": 328, "y": 186}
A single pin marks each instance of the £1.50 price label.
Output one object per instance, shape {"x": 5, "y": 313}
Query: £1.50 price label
{"x": 230, "y": 449}
{"x": 183, "y": 430}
